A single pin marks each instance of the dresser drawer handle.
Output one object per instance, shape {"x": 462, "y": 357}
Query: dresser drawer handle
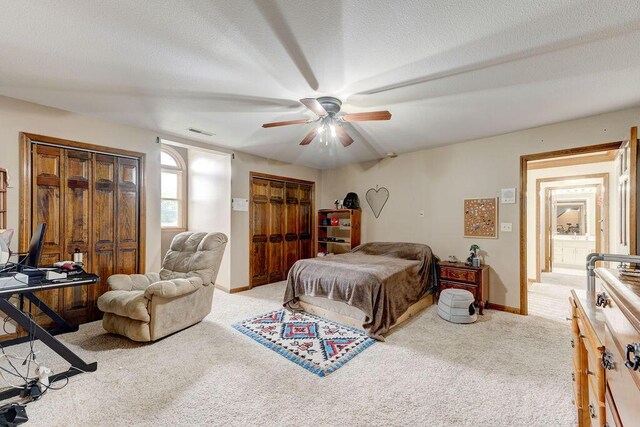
{"x": 602, "y": 300}
{"x": 607, "y": 360}
{"x": 633, "y": 357}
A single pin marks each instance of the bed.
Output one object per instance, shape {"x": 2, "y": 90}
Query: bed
{"x": 374, "y": 287}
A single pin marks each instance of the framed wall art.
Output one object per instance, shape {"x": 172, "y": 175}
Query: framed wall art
{"x": 481, "y": 218}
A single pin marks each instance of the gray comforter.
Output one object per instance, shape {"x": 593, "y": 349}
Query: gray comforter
{"x": 381, "y": 279}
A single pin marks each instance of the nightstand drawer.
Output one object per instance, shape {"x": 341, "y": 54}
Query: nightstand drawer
{"x": 462, "y": 275}
{"x": 444, "y": 284}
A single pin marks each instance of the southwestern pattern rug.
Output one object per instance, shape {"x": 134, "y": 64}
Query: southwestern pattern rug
{"x": 315, "y": 343}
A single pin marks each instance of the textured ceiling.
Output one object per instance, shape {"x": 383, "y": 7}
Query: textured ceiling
{"x": 448, "y": 71}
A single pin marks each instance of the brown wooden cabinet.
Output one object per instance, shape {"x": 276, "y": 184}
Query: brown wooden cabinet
{"x": 281, "y": 226}
{"x": 458, "y": 275}
{"x": 91, "y": 202}
{"x": 341, "y": 237}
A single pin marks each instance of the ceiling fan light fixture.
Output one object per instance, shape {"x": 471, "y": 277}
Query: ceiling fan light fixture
{"x": 333, "y": 130}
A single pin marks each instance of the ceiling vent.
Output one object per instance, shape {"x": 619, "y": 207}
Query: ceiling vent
{"x": 201, "y": 132}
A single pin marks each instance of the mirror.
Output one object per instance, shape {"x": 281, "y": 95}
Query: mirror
{"x": 571, "y": 217}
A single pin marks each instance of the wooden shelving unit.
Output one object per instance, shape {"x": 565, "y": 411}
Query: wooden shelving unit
{"x": 3, "y": 198}
{"x": 341, "y": 238}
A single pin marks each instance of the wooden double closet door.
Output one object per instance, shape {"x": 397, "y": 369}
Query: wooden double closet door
{"x": 281, "y": 226}
{"x": 91, "y": 203}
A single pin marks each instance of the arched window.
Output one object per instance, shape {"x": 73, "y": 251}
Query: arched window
{"x": 172, "y": 190}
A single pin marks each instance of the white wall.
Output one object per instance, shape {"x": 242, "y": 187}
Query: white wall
{"x": 209, "y": 200}
{"x": 437, "y": 180}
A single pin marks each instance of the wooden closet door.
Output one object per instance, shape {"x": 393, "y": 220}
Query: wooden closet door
{"x": 259, "y": 225}
{"x": 127, "y": 190}
{"x": 104, "y": 223}
{"x": 276, "y": 231}
{"x": 291, "y": 226}
{"x": 47, "y": 204}
{"x": 281, "y": 227}
{"x": 77, "y": 192}
{"x": 47, "y": 169}
{"x": 305, "y": 222}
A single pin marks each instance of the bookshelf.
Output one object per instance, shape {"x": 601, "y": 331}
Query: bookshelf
{"x": 340, "y": 238}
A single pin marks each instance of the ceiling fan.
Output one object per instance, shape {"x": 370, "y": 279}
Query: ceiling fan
{"x": 327, "y": 109}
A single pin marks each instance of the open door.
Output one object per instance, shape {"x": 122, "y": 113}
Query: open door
{"x": 549, "y": 222}
{"x": 632, "y": 187}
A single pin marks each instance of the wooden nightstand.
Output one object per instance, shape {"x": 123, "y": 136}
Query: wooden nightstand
{"x": 460, "y": 276}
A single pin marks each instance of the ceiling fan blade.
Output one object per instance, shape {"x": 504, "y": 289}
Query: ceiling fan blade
{"x": 307, "y": 139}
{"x": 313, "y": 105}
{"x": 289, "y": 122}
{"x": 363, "y": 117}
{"x": 344, "y": 136}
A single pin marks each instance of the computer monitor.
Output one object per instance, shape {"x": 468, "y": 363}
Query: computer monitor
{"x": 32, "y": 259}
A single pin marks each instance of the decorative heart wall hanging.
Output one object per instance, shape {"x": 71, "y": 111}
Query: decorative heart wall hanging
{"x": 377, "y": 198}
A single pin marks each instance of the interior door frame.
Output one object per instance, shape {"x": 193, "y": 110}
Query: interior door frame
{"x": 285, "y": 179}
{"x": 605, "y": 182}
{"x": 524, "y": 160}
{"x": 28, "y": 140}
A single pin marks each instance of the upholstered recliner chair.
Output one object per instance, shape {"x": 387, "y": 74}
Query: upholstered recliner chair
{"x": 147, "y": 307}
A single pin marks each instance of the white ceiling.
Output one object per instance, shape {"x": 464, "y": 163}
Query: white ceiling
{"x": 448, "y": 71}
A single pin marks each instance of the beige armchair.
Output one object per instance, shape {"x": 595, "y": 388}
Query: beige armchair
{"x": 147, "y": 307}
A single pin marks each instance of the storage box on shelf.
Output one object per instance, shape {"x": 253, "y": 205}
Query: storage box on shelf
{"x": 341, "y": 237}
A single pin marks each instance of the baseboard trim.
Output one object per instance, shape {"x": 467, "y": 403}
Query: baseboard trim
{"x": 506, "y": 308}
{"x": 232, "y": 290}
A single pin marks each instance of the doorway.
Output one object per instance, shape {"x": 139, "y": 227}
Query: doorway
{"x": 572, "y": 220}
{"x": 570, "y": 207}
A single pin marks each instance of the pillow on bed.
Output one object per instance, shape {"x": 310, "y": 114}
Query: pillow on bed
{"x": 409, "y": 251}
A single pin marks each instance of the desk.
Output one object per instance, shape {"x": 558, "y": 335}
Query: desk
{"x": 38, "y": 332}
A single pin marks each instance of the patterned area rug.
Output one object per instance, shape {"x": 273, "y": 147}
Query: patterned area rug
{"x": 316, "y": 344}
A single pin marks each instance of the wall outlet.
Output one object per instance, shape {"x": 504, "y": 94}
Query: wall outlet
{"x": 421, "y": 214}
{"x": 506, "y": 226}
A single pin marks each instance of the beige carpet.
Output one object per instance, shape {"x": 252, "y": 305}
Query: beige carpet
{"x": 505, "y": 370}
{"x": 550, "y": 299}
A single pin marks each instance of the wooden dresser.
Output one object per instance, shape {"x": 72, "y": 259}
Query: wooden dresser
{"x": 461, "y": 276}
{"x": 606, "y": 352}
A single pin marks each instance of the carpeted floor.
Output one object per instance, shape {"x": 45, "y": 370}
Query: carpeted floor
{"x": 504, "y": 370}
{"x": 550, "y": 299}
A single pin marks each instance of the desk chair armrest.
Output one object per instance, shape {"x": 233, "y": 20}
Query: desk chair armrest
{"x": 173, "y": 288}
{"x": 132, "y": 282}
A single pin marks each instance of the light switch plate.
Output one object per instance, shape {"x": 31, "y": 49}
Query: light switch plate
{"x": 238, "y": 204}
{"x": 506, "y": 226}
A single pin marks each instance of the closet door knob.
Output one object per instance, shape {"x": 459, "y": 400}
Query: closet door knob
{"x": 633, "y": 357}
